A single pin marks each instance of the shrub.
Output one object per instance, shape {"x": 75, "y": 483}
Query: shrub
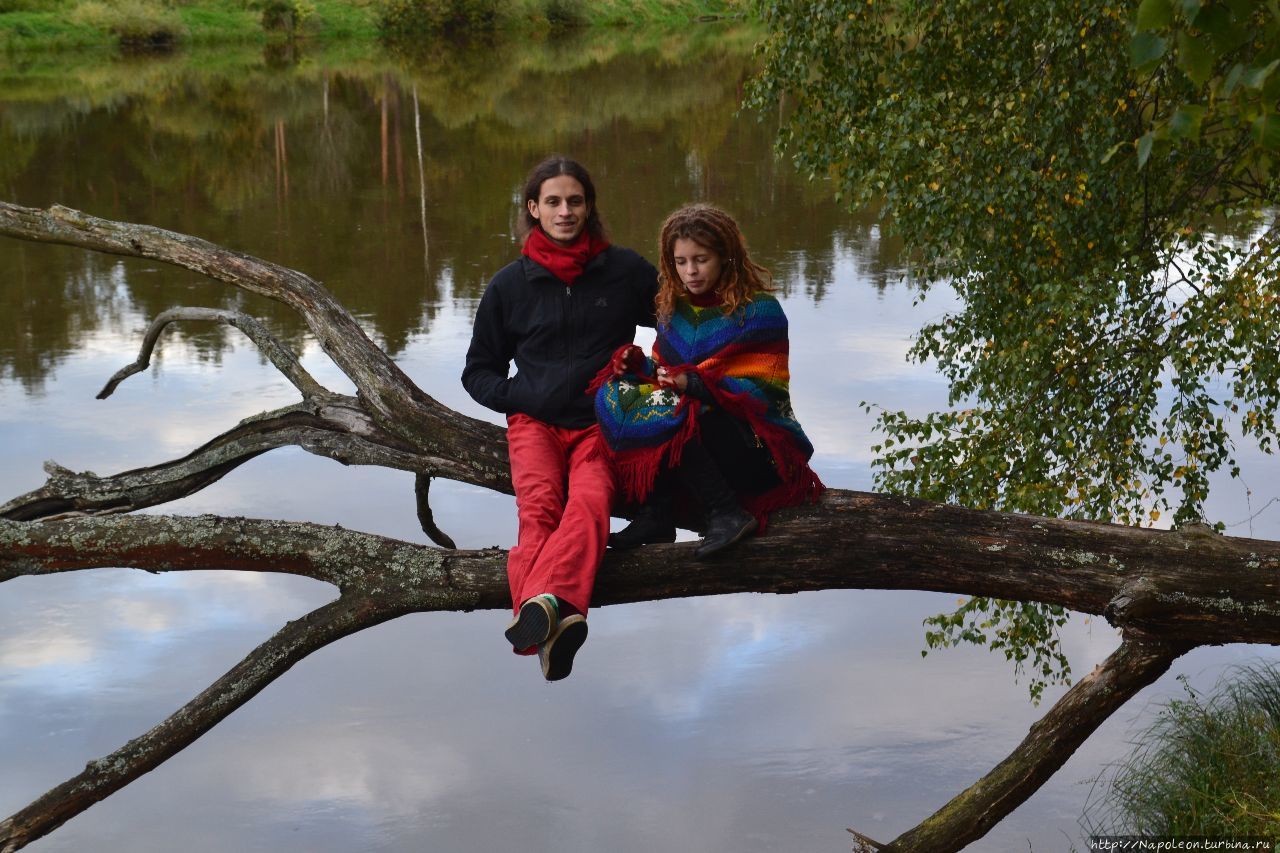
{"x": 134, "y": 22}
{"x": 1207, "y": 766}
{"x": 566, "y": 13}
{"x": 407, "y": 18}
{"x": 283, "y": 15}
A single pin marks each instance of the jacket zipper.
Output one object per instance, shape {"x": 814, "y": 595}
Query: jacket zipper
{"x": 570, "y": 341}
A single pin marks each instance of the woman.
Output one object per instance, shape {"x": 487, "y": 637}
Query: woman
{"x": 710, "y": 412}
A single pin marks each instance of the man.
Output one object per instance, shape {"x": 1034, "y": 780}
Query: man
{"x": 560, "y": 312}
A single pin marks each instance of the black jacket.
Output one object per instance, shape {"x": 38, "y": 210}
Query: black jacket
{"x": 559, "y": 337}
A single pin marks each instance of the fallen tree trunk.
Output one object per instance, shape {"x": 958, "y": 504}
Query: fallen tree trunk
{"x": 1184, "y": 587}
{"x": 1168, "y": 591}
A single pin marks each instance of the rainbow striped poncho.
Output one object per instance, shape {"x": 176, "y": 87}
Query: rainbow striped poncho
{"x": 741, "y": 358}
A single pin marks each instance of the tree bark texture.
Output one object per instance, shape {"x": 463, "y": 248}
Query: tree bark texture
{"x": 1168, "y": 591}
{"x": 1188, "y": 587}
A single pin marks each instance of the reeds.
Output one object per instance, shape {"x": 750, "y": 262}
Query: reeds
{"x": 1208, "y": 766}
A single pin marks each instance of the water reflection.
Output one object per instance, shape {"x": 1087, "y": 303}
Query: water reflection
{"x": 387, "y": 176}
{"x": 732, "y": 723}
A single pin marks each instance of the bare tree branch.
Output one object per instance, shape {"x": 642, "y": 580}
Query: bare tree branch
{"x": 266, "y": 663}
{"x": 372, "y": 371}
{"x": 353, "y": 561}
{"x": 863, "y": 843}
{"x": 427, "y": 518}
{"x": 391, "y": 398}
{"x": 1052, "y": 740}
{"x": 336, "y": 427}
{"x": 1191, "y": 587}
{"x": 277, "y": 353}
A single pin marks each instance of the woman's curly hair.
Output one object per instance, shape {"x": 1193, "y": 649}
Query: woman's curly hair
{"x": 711, "y": 227}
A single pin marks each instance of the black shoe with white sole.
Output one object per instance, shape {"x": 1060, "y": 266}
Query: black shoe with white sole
{"x": 534, "y": 624}
{"x": 556, "y": 654}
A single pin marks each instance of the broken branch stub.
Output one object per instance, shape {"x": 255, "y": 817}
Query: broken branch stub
{"x": 270, "y": 346}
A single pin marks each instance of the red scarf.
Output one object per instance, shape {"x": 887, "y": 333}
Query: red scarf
{"x": 706, "y": 300}
{"x": 564, "y": 262}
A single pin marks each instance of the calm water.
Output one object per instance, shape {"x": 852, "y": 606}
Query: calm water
{"x": 738, "y": 723}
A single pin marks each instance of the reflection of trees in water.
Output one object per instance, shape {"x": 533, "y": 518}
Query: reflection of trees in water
{"x": 334, "y": 146}
{"x": 18, "y": 153}
{"x": 41, "y": 323}
{"x": 317, "y": 166}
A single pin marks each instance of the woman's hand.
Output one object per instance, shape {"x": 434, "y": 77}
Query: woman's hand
{"x": 679, "y": 381}
{"x": 627, "y": 359}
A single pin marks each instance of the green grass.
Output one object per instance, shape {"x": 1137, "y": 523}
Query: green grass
{"x": 613, "y": 13}
{"x": 335, "y": 19}
{"x": 625, "y": 12}
{"x": 1207, "y": 766}
{"x": 46, "y": 30}
{"x": 209, "y": 22}
{"x": 36, "y": 25}
{"x": 66, "y": 24}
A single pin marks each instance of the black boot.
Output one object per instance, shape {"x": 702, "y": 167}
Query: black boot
{"x": 727, "y": 521}
{"x": 654, "y": 521}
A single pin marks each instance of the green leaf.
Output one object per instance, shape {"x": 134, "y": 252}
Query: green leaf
{"x": 1144, "y": 148}
{"x": 1111, "y": 152}
{"x": 1255, "y": 78}
{"x": 1185, "y": 123}
{"x": 1266, "y": 132}
{"x": 1154, "y": 14}
{"x": 1145, "y": 51}
{"x": 1223, "y": 28}
{"x": 1195, "y": 58}
{"x": 1075, "y": 241}
{"x": 1232, "y": 80}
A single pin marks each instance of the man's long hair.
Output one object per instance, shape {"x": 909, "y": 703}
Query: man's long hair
{"x": 552, "y": 167}
{"x": 711, "y": 227}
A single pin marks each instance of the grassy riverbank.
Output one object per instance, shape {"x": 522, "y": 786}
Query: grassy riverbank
{"x": 27, "y": 25}
{"x": 1206, "y": 766}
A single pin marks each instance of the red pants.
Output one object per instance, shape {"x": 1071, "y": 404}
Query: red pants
{"x": 564, "y": 490}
